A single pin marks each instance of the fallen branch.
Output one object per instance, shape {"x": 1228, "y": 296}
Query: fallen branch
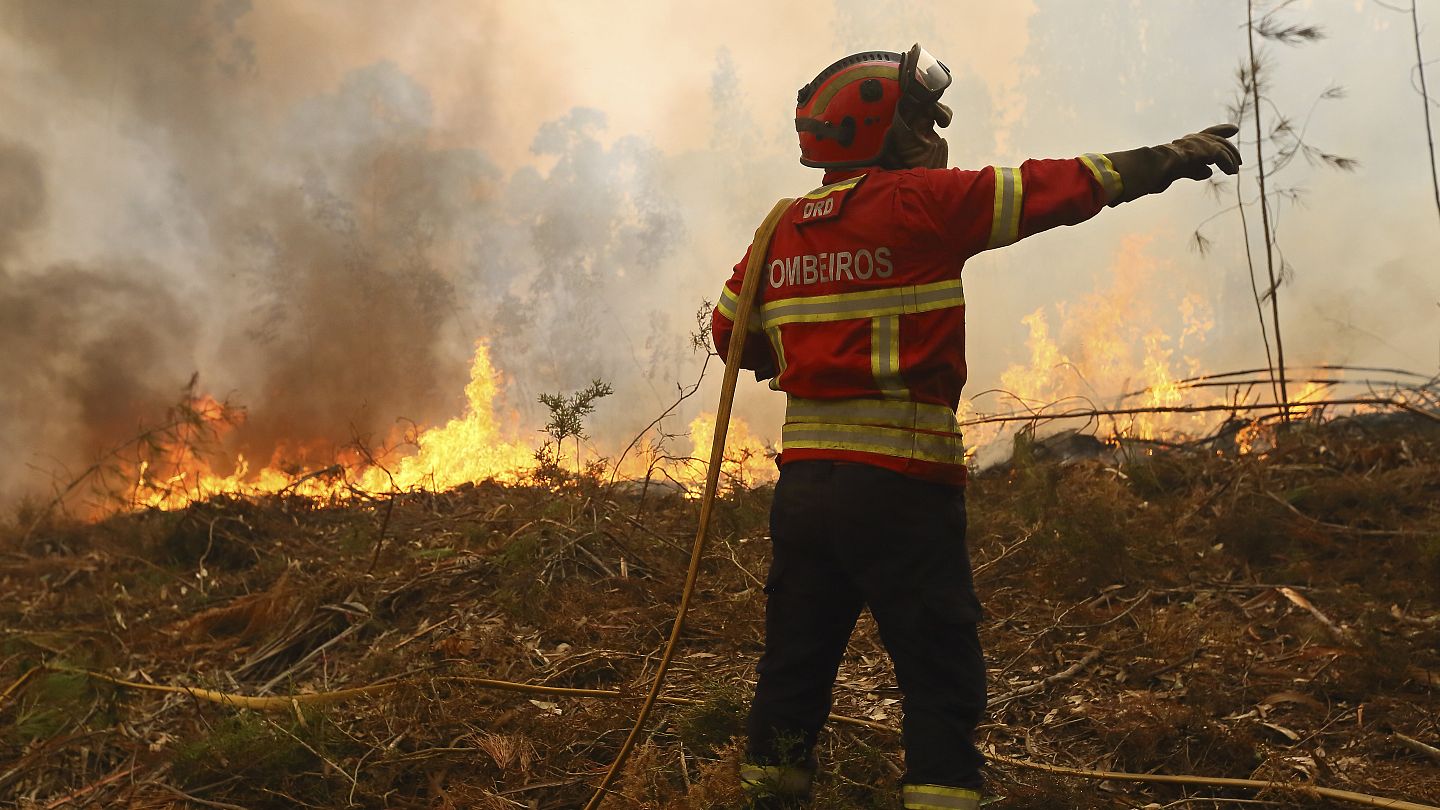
{"x": 19, "y": 682}
{"x": 1231, "y": 408}
{"x": 1362, "y": 799}
{"x": 278, "y": 703}
{"x": 73, "y": 796}
{"x": 1418, "y": 747}
{"x": 1400, "y": 615}
{"x": 1300, "y": 601}
{"x": 288, "y": 703}
{"x": 1063, "y": 675}
{"x": 180, "y": 794}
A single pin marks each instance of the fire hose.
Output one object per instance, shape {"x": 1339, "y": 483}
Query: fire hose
{"x": 749, "y": 288}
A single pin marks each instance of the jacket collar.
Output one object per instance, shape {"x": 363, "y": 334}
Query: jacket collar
{"x": 836, "y": 175}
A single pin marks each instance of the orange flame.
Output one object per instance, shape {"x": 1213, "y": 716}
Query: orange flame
{"x": 748, "y": 460}
{"x": 469, "y": 448}
{"x": 1110, "y": 342}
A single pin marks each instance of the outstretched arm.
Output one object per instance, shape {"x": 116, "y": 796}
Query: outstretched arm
{"x": 1042, "y": 194}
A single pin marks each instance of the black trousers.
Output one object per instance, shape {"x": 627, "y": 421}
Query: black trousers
{"x": 849, "y": 535}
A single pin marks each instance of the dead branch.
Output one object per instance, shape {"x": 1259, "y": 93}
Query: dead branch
{"x": 180, "y": 794}
{"x": 1063, "y": 675}
{"x": 1229, "y": 408}
{"x": 685, "y": 393}
{"x": 1418, "y": 746}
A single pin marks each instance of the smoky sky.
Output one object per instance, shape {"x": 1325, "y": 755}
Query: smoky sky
{"x": 339, "y": 264}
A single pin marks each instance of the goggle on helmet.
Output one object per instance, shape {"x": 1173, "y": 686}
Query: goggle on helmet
{"x": 844, "y": 113}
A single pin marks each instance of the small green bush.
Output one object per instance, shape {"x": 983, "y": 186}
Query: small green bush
{"x": 708, "y": 726}
{"x": 241, "y": 745}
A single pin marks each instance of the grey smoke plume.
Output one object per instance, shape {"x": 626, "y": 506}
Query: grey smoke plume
{"x": 326, "y": 263}
{"x": 84, "y": 352}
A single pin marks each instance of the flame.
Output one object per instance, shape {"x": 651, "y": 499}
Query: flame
{"x": 1256, "y": 437}
{"x": 1110, "y": 342}
{"x": 1312, "y": 392}
{"x": 469, "y": 448}
{"x": 178, "y": 468}
{"x": 748, "y": 460}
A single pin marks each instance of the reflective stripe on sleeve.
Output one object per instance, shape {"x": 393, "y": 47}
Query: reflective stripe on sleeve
{"x": 1005, "y": 219}
{"x": 865, "y": 304}
{"x": 940, "y": 797}
{"x": 727, "y": 305}
{"x": 884, "y": 441}
{"x": 885, "y": 356}
{"x": 881, "y": 412}
{"x": 1105, "y": 174}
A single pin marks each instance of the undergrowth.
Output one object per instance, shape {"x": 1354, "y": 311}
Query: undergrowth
{"x": 1171, "y": 567}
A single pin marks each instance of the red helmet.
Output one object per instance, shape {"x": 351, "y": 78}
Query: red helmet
{"x": 844, "y": 114}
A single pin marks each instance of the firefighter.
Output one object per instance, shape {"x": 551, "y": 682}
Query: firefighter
{"x": 860, "y": 320}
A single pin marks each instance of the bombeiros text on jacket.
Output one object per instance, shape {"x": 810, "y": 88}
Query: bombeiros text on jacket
{"x": 819, "y": 268}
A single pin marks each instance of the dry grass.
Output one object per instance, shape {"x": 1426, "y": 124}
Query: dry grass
{"x": 1169, "y": 565}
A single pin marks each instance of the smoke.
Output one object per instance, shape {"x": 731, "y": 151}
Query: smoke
{"x": 22, "y": 194}
{"x": 319, "y": 209}
{"x": 84, "y": 351}
{"x": 328, "y": 262}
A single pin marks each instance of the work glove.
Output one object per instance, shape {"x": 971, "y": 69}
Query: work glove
{"x": 1152, "y": 169}
{"x": 912, "y": 142}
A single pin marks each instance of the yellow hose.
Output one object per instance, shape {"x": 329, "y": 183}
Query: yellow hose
{"x": 754, "y": 269}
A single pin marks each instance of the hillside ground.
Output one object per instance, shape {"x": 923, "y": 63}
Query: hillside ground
{"x": 1273, "y": 616}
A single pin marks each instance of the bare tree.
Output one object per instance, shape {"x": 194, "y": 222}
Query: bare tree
{"x": 1278, "y": 140}
{"x": 1425, "y": 101}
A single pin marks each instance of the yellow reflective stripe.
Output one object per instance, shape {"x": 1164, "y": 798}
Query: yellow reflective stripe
{"x": 883, "y": 441}
{"x": 825, "y": 191}
{"x": 885, "y": 356}
{"x": 940, "y": 797}
{"x": 882, "y": 412}
{"x": 729, "y": 301}
{"x": 1105, "y": 174}
{"x": 779, "y": 346}
{"x": 774, "y": 779}
{"x": 872, "y": 72}
{"x": 1005, "y": 219}
{"x": 866, "y": 304}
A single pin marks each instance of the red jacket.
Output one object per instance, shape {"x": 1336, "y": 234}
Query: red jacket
{"x": 861, "y": 316}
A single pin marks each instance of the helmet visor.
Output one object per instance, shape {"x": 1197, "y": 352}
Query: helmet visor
{"x": 930, "y": 74}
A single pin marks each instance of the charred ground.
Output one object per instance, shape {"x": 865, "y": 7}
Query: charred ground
{"x": 1273, "y": 615}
